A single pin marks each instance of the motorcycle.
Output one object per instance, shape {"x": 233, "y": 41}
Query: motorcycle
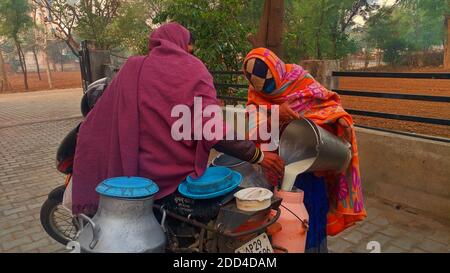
{"x": 56, "y": 219}
{"x": 212, "y": 226}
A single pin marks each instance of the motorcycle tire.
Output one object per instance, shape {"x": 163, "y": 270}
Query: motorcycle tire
{"x": 48, "y": 218}
{"x": 85, "y": 106}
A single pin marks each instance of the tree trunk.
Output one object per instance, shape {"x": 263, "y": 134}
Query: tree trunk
{"x": 334, "y": 48}
{"x": 270, "y": 31}
{"x": 447, "y": 45}
{"x": 23, "y": 64}
{"x": 6, "y": 85}
{"x": 366, "y": 58}
{"x": 34, "y": 47}
{"x": 275, "y": 27}
{"x": 73, "y": 45}
{"x": 37, "y": 64}
{"x": 49, "y": 73}
{"x": 334, "y": 38}
{"x": 61, "y": 62}
{"x": 319, "y": 33}
{"x": 379, "y": 57}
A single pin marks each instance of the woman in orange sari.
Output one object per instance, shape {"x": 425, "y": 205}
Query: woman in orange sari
{"x": 333, "y": 200}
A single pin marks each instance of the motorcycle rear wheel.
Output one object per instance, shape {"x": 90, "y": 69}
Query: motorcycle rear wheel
{"x": 58, "y": 221}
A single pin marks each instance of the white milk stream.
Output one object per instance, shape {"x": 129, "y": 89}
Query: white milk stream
{"x": 292, "y": 170}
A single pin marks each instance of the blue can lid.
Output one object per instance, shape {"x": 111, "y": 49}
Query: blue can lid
{"x": 127, "y": 187}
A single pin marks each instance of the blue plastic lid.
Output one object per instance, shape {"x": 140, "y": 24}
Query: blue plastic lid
{"x": 127, "y": 187}
{"x": 186, "y": 189}
{"x": 211, "y": 175}
{"x": 213, "y": 179}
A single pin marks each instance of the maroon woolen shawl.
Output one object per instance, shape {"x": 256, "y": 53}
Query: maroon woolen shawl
{"x": 128, "y": 133}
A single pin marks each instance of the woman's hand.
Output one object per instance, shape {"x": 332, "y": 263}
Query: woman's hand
{"x": 272, "y": 163}
{"x": 347, "y": 130}
{"x": 286, "y": 113}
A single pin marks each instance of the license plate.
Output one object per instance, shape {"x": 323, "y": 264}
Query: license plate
{"x": 260, "y": 244}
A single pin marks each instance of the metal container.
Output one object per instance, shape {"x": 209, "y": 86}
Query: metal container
{"x": 303, "y": 139}
{"x": 125, "y": 225}
{"x": 252, "y": 175}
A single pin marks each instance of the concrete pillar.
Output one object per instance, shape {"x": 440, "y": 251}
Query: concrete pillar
{"x": 322, "y": 71}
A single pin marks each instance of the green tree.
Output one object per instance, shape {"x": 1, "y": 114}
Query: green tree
{"x": 407, "y": 28}
{"x": 114, "y": 25}
{"x": 31, "y": 40}
{"x": 321, "y": 28}
{"x": 423, "y": 22}
{"x": 14, "y": 20}
{"x": 58, "y": 52}
{"x": 93, "y": 19}
{"x": 132, "y": 26}
{"x": 5, "y": 47}
{"x": 384, "y": 31}
{"x": 219, "y": 31}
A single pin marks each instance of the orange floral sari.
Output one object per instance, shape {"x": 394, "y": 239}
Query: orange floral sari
{"x": 311, "y": 100}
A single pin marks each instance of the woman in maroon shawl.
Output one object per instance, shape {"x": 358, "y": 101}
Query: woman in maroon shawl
{"x": 128, "y": 133}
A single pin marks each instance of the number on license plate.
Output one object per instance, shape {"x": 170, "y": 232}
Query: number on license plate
{"x": 260, "y": 244}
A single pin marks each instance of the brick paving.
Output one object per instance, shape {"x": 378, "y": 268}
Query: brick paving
{"x": 396, "y": 230}
{"x": 31, "y": 127}
{"x": 33, "y": 124}
{"x": 27, "y": 108}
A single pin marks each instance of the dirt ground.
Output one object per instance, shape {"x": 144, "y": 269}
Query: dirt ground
{"x": 61, "y": 80}
{"x": 395, "y": 106}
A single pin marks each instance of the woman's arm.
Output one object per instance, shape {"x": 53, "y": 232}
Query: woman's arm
{"x": 246, "y": 150}
{"x": 242, "y": 149}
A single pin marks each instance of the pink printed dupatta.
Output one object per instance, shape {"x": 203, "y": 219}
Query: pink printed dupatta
{"x": 311, "y": 100}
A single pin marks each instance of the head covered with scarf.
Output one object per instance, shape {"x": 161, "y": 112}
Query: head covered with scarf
{"x": 128, "y": 132}
{"x": 272, "y": 82}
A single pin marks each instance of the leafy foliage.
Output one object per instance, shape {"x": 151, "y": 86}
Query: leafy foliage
{"x": 14, "y": 18}
{"x": 114, "y": 24}
{"x": 220, "y": 34}
{"x": 409, "y": 27}
{"x": 320, "y": 29}
{"x": 130, "y": 28}
{"x": 314, "y": 29}
{"x": 59, "y": 53}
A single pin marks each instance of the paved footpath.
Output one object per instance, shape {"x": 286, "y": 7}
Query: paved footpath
{"x": 31, "y": 127}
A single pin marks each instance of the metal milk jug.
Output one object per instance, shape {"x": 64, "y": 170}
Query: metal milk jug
{"x": 124, "y": 221}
